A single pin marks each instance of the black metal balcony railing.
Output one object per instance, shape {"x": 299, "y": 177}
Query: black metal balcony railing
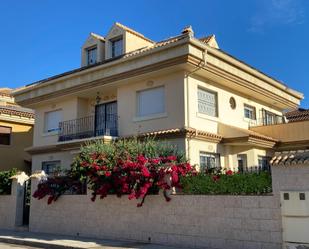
{"x": 87, "y": 127}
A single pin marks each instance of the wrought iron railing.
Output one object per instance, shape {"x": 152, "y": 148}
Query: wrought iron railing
{"x": 87, "y": 127}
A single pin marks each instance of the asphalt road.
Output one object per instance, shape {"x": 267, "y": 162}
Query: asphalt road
{"x": 11, "y": 246}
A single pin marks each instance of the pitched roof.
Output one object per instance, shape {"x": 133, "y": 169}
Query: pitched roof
{"x": 99, "y": 37}
{"x": 17, "y": 111}
{"x": 5, "y": 92}
{"x": 287, "y": 158}
{"x": 298, "y": 115}
{"x": 133, "y": 32}
{"x": 206, "y": 39}
{"x": 188, "y": 132}
{"x": 129, "y": 54}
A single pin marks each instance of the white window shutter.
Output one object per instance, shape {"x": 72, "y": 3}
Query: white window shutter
{"x": 151, "y": 101}
{"x": 52, "y": 120}
{"x": 207, "y": 102}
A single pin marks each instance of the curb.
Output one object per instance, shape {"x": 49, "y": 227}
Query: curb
{"x": 36, "y": 244}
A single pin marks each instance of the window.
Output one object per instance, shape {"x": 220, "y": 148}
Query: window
{"x": 52, "y": 120}
{"x": 207, "y": 102}
{"x": 151, "y": 101}
{"x": 209, "y": 160}
{"x": 50, "y": 167}
{"x": 242, "y": 162}
{"x": 92, "y": 56}
{"x": 117, "y": 47}
{"x": 249, "y": 112}
{"x": 263, "y": 162}
{"x": 5, "y": 135}
{"x": 269, "y": 118}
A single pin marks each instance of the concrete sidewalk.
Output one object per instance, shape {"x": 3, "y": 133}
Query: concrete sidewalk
{"x": 51, "y": 241}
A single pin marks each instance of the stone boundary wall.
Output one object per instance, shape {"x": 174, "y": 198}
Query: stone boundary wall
{"x": 241, "y": 222}
{"x": 7, "y": 211}
{"x": 293, "y": 177}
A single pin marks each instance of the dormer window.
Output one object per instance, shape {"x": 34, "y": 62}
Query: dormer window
{"x": 92, "y": 56}
{"x": 117, "y": 47}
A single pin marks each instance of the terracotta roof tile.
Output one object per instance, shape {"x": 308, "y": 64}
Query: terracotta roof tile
{"x": 298, "y": 115}
{"x": 287, "y": 158}
{"x": 156, "y": 45}
{"x": 190, "y": 132}
{"x": 16, "y": 112}
{"x": 206, "y": 39}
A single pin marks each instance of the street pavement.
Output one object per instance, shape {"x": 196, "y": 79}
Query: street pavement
{"x": 29, "y": 240}
{"x": 10, "y": 246}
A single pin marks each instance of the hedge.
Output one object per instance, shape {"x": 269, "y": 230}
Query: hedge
{"x": 231, "y": 184}
{"x": 6, "y": 182}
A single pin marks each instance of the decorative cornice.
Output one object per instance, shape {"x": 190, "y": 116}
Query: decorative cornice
{"x": 251, "y": 139}
{"x": 244, "y": 83}
{"x": 181, "y": 132}
{"x": 161, "y": 134}
{"x": 293, "y": 145}
{"x": 18, "y": 113}
{"x": 106, "y": 80}
{"x": 231, "y": 60}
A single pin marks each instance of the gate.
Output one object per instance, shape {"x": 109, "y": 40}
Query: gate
{"x": 26, "y": 203}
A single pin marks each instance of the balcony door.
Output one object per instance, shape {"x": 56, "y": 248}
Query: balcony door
{"x": 106, "y": 119}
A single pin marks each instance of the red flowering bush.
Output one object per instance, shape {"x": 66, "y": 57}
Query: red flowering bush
{"x": 54, "y": 187}
{"x": 127, "y": 167}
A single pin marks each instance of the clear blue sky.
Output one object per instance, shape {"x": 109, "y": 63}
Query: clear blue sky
{"x": 43, "y": 38}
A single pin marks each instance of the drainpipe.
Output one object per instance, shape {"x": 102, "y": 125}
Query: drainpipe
{"x": 201, "y": 65}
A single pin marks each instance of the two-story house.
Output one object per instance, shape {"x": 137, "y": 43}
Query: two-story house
{"x": 16, "y": 133}
{"x": 183, "y": 89}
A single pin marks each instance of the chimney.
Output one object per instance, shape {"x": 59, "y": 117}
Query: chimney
{"x": 188, "y": 30}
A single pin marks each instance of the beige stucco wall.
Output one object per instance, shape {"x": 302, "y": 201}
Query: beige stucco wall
{"x": 130, "y": 124}
{"x": 133, "y": 42}
{"x": 186, "y": 221}
{"x": 90, "y": 43}
{"x": 226, "y": 114}
{"x": 196, "y": 146}
{"x": 69, "y": 108}
{"x": 228, "y": 154}
{"x": 113, "y": 33}
{"x": 66, "y": 159}
{"x": 13, "y": 155}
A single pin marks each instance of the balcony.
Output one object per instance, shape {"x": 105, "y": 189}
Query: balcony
{"x": 87, "y": 127}
{"x": 271, "y": 120}
{"x": 268, "y": 118}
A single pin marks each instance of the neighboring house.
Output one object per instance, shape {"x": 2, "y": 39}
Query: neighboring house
{"x": 16, "y": 133}
{"x": 182, "y": 89}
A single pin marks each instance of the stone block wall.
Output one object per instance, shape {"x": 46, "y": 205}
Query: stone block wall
{"x": 293, "y": 177}
{"x": 7, "y": 211}
{"x": 186, "y": 221}
{"x": 11, "y": 206}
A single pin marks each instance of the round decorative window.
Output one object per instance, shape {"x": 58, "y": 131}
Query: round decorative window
{"x": 232, "y": 103}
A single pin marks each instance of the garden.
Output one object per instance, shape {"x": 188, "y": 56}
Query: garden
{"x": 140, "y": 168}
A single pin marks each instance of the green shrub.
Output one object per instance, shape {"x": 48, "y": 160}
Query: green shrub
{"x": 6, "y": 182}
{"x": 130, "y": 167}
{"x": 234, "y": 184}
